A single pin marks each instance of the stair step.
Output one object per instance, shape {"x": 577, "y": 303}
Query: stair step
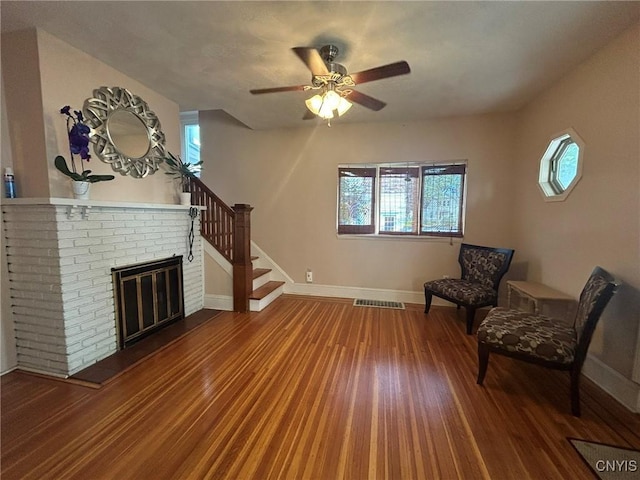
{"x": 254, "y": 258}
{"x": 258, "y": 272}
{"x": 265, "y": 290}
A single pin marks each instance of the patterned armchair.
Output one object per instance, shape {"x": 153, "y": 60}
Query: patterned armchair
{"x": 543, "y": 340}
{"x": 482, "y": 270}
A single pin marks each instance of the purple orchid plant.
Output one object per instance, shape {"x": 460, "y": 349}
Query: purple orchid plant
{"x": 78, "y": 133}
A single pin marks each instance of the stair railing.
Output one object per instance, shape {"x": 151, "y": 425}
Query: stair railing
{"x": 228, "y": 230}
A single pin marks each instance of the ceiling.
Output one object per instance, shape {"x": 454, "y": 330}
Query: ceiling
{"x": 466, "y": 57}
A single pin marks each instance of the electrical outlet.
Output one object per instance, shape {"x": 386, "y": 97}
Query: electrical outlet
{"x": 445, "y": 276}
{"x": 309, "y": 276}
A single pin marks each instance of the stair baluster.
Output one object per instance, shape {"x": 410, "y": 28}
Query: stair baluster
{"x": 228, "y": 230}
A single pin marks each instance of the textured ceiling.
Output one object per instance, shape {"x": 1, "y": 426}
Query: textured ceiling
{"x": 466, "y": 57}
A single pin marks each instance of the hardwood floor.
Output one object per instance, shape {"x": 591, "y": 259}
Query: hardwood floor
{"x": 310, "y": 388}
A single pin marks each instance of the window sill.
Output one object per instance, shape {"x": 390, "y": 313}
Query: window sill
{"x": 419, "y": 238}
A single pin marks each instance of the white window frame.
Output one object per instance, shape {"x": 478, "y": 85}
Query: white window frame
{"x": 548, "y": 188}
{"x": 187, "y": 119}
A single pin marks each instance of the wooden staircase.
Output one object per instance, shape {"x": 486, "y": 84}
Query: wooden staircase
{"x": 264, "y": 290}
{"x": 228, "y": 230}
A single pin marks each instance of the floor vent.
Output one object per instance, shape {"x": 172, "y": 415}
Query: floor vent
{"x": 361, "y": 302}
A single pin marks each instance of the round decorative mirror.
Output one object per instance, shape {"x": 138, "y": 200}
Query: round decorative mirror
{"x": 126, "y": 134}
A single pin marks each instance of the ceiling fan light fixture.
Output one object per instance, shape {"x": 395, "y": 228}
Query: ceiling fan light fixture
{"x": 324, "y": 105}
{"x": 339, "y": 103}
{"x": 335, "y": 84}
{"x": 314, "y": 104}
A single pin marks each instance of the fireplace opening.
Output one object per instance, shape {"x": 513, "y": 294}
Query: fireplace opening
{"x": 148, "y": 297}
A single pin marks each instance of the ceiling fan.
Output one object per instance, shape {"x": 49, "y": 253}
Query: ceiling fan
{"x": 334, "y": 85}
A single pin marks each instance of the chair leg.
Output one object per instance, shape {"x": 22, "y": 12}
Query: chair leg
{"x": 575, "y": 393}
{"x": 427, "y": 300}
{"x": 471, "y": 315}
{"x": 483, "y": 362}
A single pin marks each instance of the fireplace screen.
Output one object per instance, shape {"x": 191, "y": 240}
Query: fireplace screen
{"x": 147, "y": 297}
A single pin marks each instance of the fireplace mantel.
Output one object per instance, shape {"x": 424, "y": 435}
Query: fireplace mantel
{"x": 84, "y": 207}
{"x": 72, "y": 202}
{"x": 60, "y": 252}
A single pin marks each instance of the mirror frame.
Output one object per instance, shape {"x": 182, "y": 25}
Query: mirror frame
{"x": 97, "y": 110}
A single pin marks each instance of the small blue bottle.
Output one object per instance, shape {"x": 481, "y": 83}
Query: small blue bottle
{"x": 9, "y": 183}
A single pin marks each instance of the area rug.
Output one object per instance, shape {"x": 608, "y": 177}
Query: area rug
{"x": 608, "y": 462}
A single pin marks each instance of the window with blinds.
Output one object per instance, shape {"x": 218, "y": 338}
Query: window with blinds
{"x": 392, "y": 199}
{"x": 399, "y": 200}
{"x": 442, "y": 200}
{"x": 357, "y": 200}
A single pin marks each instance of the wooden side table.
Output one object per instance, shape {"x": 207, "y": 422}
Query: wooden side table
{"x": 537, "y": 296}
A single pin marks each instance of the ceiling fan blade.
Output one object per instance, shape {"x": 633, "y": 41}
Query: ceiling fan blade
{"x": 365, "y": 100}
{"x": 378, "y": 73}
{"x": 312, "y": 59}
{"x": 293, "y": 88}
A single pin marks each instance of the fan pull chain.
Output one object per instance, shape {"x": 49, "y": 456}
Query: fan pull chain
{"x": 193, "y": 213}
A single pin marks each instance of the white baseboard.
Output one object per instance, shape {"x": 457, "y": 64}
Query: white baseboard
{"x": 615, "y": 384}
{"x": 218, "y": 302}
{"x": 221, "y": 302}
{"x": 316, "y": 290}
{"x": 9, "y": 370}
{"x": 259, "y": 305}
{"x": 225, "y": 302}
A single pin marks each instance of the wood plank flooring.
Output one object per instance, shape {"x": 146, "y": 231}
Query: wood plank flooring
{"x": 310, "y": 389}
{"x": 108, "y": 368}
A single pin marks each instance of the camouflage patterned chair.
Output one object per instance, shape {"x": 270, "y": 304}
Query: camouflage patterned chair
{"x": 546, "y": 341}
{"x": 482, "y": 269}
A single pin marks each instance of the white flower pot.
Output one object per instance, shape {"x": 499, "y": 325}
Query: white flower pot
{"x": 185, "y": 198}
{"x": 81, "y": 190}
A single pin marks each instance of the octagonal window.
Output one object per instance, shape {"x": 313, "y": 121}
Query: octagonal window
{"x": 564, "y": 165}
{"x": 561, "y": 166}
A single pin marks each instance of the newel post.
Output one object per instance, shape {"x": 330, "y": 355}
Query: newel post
{"x": 242, "y": 268}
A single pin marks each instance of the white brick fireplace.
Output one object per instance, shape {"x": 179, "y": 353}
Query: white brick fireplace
{"x": 60, "y": 253}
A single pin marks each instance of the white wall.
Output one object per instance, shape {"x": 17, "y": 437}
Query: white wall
{"x": 59, "y": 64}
{"x": 8, "y": 358}
{"x": 40, "y": 75}
{"x": 59, "y": 74}
{"x": 290, "y": 177}
{"x": 599, "y": 223}
{"x": 23, "y": 103}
